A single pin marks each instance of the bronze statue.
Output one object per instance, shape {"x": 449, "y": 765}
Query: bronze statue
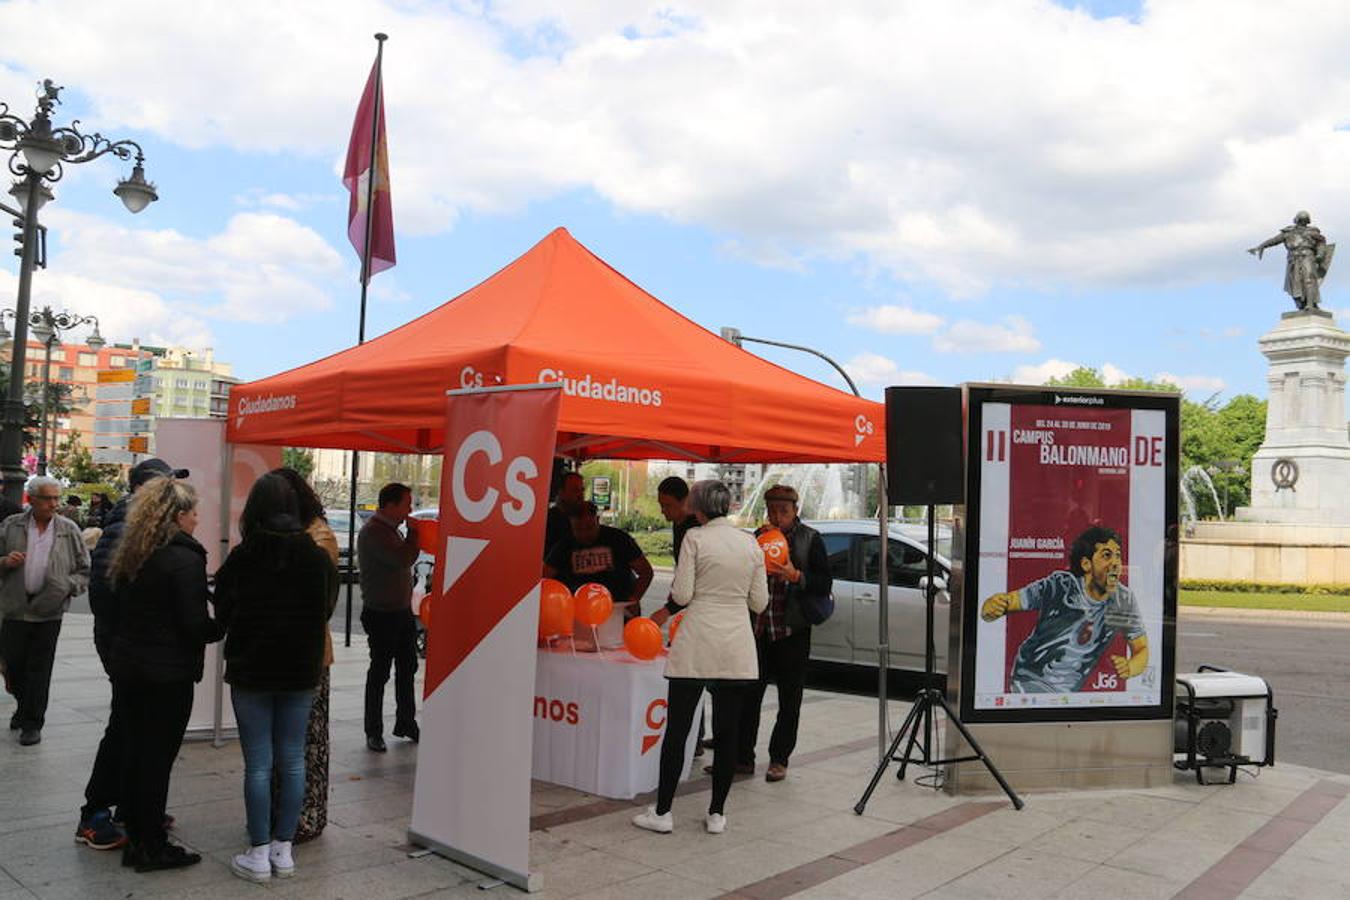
{"x": 1309, "y": 257}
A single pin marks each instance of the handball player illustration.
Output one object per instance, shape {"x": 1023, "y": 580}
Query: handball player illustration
{"x": 1080, "y": 611}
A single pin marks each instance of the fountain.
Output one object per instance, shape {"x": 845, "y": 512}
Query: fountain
{"x": 820, "y": 488}
{"x": 1197, "y": 473}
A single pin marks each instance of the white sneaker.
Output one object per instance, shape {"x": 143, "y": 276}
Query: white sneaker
{"x": 716, "y": 823}
{"x": 649, "y": 820}
{"x": 253, "y": 865}
{"x": 279, "y": 855}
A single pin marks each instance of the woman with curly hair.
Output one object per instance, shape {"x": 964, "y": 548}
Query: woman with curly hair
{"x": 158, "y": 572}
{"x": 314, "y": 809}
{"x": 274, "y": 595}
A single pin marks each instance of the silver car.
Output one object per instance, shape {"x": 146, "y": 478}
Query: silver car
{"x": 338, "y": 520}
{"x": 850, "y": 635}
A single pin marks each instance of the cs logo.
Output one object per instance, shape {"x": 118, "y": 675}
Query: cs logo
{"x": 862, "y": 429}
{"x": 656, "y": 721}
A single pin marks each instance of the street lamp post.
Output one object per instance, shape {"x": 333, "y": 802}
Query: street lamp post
{"x": 47, "y": 327}
{"x": 39, "y": 154}
{"x": 734, "y": 336}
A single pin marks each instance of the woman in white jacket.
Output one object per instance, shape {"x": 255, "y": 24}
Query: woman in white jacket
{"x": 720, "y": 579}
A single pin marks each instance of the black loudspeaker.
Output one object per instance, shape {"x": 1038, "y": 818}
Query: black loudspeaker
{"x": 924, "y": 461}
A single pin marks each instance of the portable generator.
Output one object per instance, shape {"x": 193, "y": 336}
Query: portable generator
{"x": 1224, "y": 719}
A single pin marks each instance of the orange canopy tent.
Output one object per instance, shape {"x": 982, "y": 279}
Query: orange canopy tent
{"x": 639, "y": 380}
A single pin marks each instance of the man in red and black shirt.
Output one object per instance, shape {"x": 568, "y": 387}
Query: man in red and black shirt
{"x": 783, "y": 635}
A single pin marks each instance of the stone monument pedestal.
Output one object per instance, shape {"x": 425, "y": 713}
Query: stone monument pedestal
{"x": 1301, "y": 474}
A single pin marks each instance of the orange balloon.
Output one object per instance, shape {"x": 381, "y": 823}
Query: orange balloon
{"x": 428, "y": 534}
{"x": 775, "y": 547}
{"x": 675, "y": 623}
{"x": 424, "y": 612}
{"x": 642, "y": 638}
{"x": 555, "y": 608}
{"x": 594, "y": 604}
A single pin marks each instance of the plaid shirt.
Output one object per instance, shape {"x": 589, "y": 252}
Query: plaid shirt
{"x": 772, "y": 623}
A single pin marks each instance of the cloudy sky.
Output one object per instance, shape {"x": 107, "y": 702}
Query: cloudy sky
{"x": 929, "y": 191}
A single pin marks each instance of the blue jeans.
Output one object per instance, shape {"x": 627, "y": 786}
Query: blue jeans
{"x": 272, "y": 734}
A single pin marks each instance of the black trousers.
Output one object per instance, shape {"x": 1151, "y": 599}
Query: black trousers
{"x": 682, "y": 701}
{"x": 783, "y": 664}
{"x": 28, "y": 650}
{"x": 393, "y": 640}
{"x": 104, "y": 789}
{"x": 156, "y": 716}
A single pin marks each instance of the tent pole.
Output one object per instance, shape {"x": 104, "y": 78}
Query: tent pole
{"x": 883, "y": 611}
{"x": 351, "y": 528}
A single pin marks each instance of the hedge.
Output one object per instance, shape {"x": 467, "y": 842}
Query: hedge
{"x": 1253, "y": 587}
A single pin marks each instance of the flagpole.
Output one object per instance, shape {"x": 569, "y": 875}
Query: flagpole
{"x": 352, "y": 559}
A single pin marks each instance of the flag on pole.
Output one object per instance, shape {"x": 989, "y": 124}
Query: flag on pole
{"x": 367, "y": 159}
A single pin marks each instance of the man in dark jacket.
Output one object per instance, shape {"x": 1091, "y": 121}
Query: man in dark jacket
{"x": 104, "y": 787}
{"x": 386, "y": 558}
{"x": 783, "y": 635}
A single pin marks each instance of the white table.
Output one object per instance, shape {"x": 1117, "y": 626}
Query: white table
{"x": 598, "y": 722}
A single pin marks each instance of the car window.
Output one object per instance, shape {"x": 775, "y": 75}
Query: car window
{"x": 837, "y": 548}
{"x": 907, "y": 564}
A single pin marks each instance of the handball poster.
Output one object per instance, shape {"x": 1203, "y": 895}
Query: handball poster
{"x": 1071, "y": 609}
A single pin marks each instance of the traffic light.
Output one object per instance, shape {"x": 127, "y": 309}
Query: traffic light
{"x": 18, "y": 237}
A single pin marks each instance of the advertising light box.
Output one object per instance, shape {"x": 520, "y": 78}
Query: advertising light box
{"x": 1070, "y": 590}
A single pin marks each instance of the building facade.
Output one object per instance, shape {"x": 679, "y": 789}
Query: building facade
{"x": 187, "y": 383}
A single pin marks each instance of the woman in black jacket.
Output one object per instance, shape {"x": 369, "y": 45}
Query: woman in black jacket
{"x": 274, "y": 595}
{"x": 159, "y": 574}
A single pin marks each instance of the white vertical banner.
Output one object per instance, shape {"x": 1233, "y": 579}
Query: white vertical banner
{"x": 223, "y": 474}
{"x": 471, "y": 799}
{"x": 995, "y": 452}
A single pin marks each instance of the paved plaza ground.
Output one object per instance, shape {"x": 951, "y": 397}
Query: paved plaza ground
{"x": 1281, "y": 835}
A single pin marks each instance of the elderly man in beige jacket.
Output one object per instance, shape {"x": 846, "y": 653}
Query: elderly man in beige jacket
{"x": 43, "y": 564}
{"x": 719, "y": 577}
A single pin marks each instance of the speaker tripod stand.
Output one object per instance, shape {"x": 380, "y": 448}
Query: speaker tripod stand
{"x": 918, "y": 729}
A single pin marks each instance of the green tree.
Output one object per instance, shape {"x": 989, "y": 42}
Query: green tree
{"x": 72, "y": 460}
{"x": 300, "y": 459}
{"x": 1220, "y": 439}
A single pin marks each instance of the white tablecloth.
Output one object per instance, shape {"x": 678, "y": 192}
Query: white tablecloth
{"x": 599, "y": 720}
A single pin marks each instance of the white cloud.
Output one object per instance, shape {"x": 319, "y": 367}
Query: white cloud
{"x": 1015, "y": 335}
{"x": 257, "y": 197}
{"x": 1113, "y": 374}
{"x": 260, "y": 268}
{"x": 873, "y": 369}
{"x": 1057, "y": 152}
{"x": 123, "y": 313}
{"x": 896, "y": 320}
{"x": 1043, "y": 372}
{"x": 165, "y": 287}
{"x": 1194, "y": 384}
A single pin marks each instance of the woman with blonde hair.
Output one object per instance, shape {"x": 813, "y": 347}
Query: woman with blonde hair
{"x": 158, "y": 573}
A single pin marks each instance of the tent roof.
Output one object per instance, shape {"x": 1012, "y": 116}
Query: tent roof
{"x": 640, "y": 381}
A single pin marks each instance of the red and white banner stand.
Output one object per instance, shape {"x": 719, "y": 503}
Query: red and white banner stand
{"x": 471, "y": 799}
{"x": 223, "y": 474}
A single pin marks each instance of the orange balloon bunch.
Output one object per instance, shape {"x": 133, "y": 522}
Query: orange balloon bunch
{"x": 775, "y": 547}
{"x": 593, "y": 604}
{"x": 642, "y": 638}
{"x": 555, "y": 608}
